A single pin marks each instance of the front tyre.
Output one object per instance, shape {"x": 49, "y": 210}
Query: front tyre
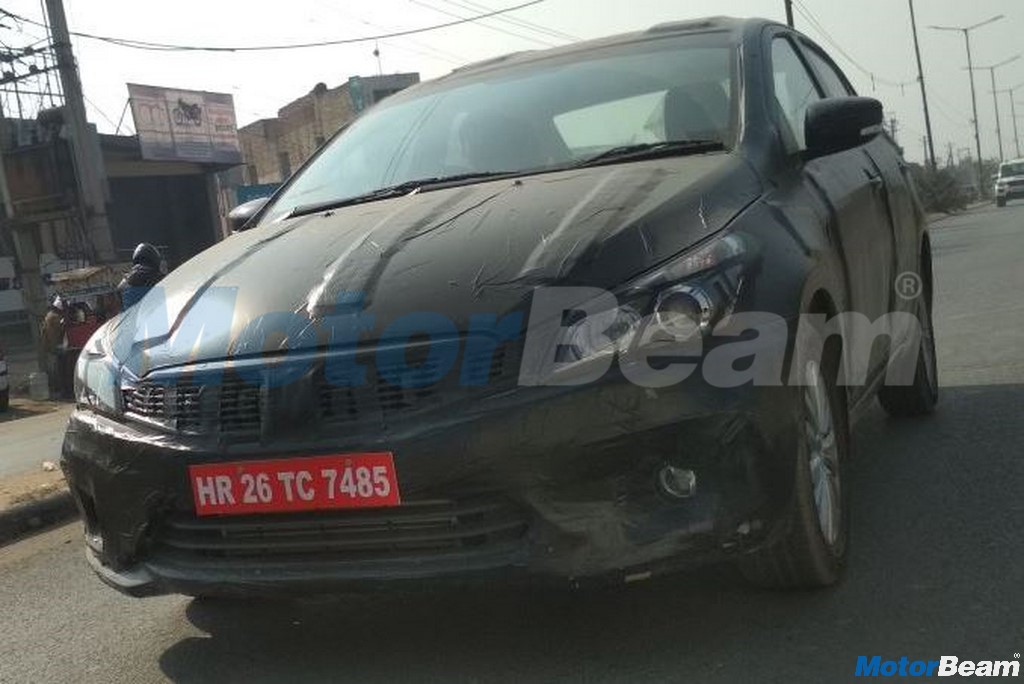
{"x": 811, "y": 551}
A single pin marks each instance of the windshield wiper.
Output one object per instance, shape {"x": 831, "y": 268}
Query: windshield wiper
{"x": 668, "y": 148}
{"x": 394, "y": 191}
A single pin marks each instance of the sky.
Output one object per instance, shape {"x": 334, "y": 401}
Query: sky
{"x": 874, "y": 34}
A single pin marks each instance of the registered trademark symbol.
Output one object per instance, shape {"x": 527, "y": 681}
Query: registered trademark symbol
{"x": 908, "y": 285}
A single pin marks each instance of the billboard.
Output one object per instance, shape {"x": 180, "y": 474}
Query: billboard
{"x": 185, "y": 125}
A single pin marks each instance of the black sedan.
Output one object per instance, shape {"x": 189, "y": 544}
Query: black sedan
{"x": 580, "y": 315}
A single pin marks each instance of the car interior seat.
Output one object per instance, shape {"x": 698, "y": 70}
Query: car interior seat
{"x": 697, "y": 111}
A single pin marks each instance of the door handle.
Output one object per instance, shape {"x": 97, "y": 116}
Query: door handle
{"x": 876, "y": 181}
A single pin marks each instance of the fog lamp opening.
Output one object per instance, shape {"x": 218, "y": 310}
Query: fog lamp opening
{"x": 677, "y": 483}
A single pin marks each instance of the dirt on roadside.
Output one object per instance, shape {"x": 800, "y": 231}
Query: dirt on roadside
{"x": 23, "y": 407}
{"x": 26, "y": 487}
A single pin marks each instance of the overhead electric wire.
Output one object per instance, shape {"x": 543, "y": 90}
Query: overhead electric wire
{"x": 806, "y": 13}
{"x": 516, "y": 21}
{"x": 500, "y": 29}
{"x": 947, "y": 110}
{"x": 152, "y": 45}
{"x": 120, "y": 120}
{"x": 99, "y": 111}
{"x": 407, "y": 44}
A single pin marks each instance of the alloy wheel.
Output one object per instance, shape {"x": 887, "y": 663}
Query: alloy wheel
{"x": 823, "y": 454}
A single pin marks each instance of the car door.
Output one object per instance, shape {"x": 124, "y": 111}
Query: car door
{"x": 854, "y": 191}
{"x": 887, "y": 160}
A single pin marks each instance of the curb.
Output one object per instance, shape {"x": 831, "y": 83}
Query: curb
{"x": 939, "y": 217}
{"x": 33, "y": 515}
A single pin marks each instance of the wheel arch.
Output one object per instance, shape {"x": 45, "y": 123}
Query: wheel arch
{"x": 925, "y": 257}
{"x": 822, "y": 302}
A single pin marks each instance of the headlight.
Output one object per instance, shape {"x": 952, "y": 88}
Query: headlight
{"x": 682, "y": 300}
{"x": 575, "y": 333}
{"x": 696, "y": 291}
{"x": 600, "y": 334}
{"x": 96, "y": 377}
{"x": 684, "y": 311}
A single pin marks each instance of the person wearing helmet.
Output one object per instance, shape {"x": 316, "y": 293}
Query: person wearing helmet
{"x": 51, "y": 338}
{"x": 51, "y": 332}
{"x": 143, "y": 275}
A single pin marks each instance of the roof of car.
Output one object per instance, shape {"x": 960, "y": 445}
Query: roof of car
{"x": 732, "y": 25}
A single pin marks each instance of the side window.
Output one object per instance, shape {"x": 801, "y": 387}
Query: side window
{"x": 795, "y": 91}
{"x": 828, "y": 74}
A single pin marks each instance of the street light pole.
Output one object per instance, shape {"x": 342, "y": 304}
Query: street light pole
{"x": 966, "y": 30}
{"x": 1013, "y": 114}
{"x": 995, "y": 105}
{"x": 995, "y": 97}
{"x": 974, "y": 109}
{"x": 924, "y": 96}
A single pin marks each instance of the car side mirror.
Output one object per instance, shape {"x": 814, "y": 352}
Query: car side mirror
{"x": 239, "y": 217}
{"x": 841, "y": 123}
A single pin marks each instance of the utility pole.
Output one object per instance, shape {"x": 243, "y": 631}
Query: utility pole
{"x": 966, "y": 31}
{"x": 84, "y": 147}
{"x": 1013, "y": 114}
{"x": 995, "y": 97}
{"x": 894, "y": 125}
{"x": 1014, "y": 104}
{"x": 789, "y": 13}
{"x": 930, "y": 152}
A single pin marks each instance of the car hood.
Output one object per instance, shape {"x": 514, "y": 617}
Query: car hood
{"x": 457, "y": 252}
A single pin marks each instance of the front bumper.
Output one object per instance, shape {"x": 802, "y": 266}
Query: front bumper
{"x": 577, "y": 465}
{"x": 1010, "y": 192}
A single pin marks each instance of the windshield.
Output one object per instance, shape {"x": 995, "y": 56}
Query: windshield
{"x": 1011, "y": 169}
{"x": 537, "y": 116}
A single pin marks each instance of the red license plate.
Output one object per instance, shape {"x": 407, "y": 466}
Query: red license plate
{"x": 295, "y": 484}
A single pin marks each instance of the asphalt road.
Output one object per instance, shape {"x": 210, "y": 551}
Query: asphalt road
{"x": 936, "y": 569}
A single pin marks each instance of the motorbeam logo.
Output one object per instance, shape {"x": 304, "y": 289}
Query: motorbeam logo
{"x": 945, "y": 666}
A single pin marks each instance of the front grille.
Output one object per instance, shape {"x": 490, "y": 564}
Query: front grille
{"x": 436, "y": 526}
{"x": 230, "y": 407}
{"x": 146, "y": 399}
{"x": 389, "y": 395}
{"x": 239, "y": 408}
{"x": 223, "y": 404}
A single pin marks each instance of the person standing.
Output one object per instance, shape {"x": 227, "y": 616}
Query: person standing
{"x": 51, "y": 338}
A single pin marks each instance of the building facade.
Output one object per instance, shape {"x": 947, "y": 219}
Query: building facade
{"x": 273, "y": 148}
